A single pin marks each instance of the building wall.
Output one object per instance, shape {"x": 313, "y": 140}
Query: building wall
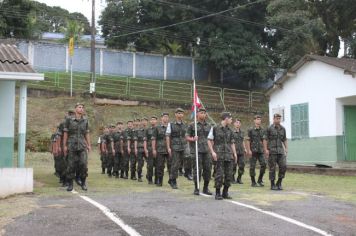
{"x": 320, "y": 85}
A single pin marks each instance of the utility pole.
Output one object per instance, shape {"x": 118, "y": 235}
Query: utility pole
{"x": 92, "y": 45}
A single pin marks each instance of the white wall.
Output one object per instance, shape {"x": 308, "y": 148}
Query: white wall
{"x": 317, "y": 84}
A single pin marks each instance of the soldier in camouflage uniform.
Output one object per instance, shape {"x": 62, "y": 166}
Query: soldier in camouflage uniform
{"x": 159, "y": 147}
{"x": 204, "y": 159}
{"x": 76, "y": 143}
{"x": 140, "y": 147}
{"x": 103, "y": 155}
{"x": 118, "y": 145}
{"x": 276, "y": 148}
{"x": 110, "y": 149}
{"x": 240, "y": 151}
{"x": 255, "y": 139}
{"x": 222, "y": 149}
{"x": 127, "y": 135}
{"x": 55, "y": 153}
{"x": 132, "y": 147}
{"x": 176, "y": 145}
{"x": 148, "y": 150}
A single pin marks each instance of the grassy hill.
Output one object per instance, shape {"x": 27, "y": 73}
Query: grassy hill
{"x": 45, "y": 112}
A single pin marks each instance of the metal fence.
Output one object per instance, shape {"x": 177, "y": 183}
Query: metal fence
{"x": 156, "y": 90}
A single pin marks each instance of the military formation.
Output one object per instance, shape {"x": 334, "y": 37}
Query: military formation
{"x": 220, "y": 151}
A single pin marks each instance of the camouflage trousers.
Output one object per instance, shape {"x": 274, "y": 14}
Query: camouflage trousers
{"x": 177, "y": 157}
{"x": 110, "y": 162}
{"x": 223, "y": 174}
{"x": 117, "y": 162}
{"x": 187, "y": 163}
{"x": 241, "y": 164}
{"x": 151, "y": 163}
{"x": 125, "y": 160}
{"x": 140, "y": 162}
{"x": 280, "y": 160}
{"x": 103, "y": 159}
{"x": 77, "y": 162}
{"x": 133, "y": 163}
{"x": 204, "y": 166}
{"x": 253, "y": 161}
{"x": 60, "y": 165}
{"x": 160, "y": 163}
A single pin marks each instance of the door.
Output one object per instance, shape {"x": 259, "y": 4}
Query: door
{"x": 350, "y": 132}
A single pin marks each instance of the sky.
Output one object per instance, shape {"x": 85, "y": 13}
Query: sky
{"x": 82, "y": 6}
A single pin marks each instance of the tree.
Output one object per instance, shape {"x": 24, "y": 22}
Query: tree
{"x": 73, "y": 29}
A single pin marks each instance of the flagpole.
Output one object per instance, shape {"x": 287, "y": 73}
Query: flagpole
{"x": 196, "y": 134}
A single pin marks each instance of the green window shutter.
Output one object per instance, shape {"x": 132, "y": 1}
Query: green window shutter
{"x": 300, "y": 121}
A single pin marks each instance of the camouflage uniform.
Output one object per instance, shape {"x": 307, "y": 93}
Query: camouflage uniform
{"x": 109, "y": 140}
{"x": 223, "y": 138}
{"x": 117, "y": 136}
{"x": 77, "y": 147}
{"x": 141, "y": 138}
{"x": 159, "y": 135}
{"x": 132, "y": 156}
{"x": 61, "y": 159}
{"x": 176, "y": 132}
{"x": 126, "y": 157}
{"x": 256, "y": 137}
{"x": 275, "y": 136}
{"x": 239, "y": 139}
{"x": 150, "y": 160}
{"x": 103, "y": 156}
{"x": 204, "y": 158}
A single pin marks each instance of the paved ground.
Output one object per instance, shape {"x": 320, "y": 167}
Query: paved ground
{"x": 162, "y": 212}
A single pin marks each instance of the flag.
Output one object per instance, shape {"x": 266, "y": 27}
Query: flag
{"x": 196, "y": 103}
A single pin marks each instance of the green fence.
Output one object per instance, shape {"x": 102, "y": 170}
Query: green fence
{"x": 156, "y": 90}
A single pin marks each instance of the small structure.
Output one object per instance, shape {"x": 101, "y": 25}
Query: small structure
{"x": 14, "y": 68}
{"x": 317, "y": 98}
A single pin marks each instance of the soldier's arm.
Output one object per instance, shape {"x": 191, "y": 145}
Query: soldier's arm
{"x": 113, "y": 147}
{"x": 87, "y": 139}
{"x": 233, "y": 147}
{"x": 265, "y": 141}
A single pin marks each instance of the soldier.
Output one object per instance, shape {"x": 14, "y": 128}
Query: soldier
{"x": 204, "y": 159}
{"x": 176, "y": 145}
{"x": 103, "y": 155}
{"x": 127, "y": 134}
{"x": 132, "y": 148}
{"x": 118, "y": 145}
{"x": 55, "y": 153}
{"x": 276, "y": 148}
{"x": 222, "y": 149}
{"x": 110, "y": 149}
{"x": 148, "y": 150}
{"x": 240, "y": 151}
{"x": 159, "y": 147}
{"x": 76, "y": 143}
{"x": 140, "y": 147}
{"x": 255, "y": 140}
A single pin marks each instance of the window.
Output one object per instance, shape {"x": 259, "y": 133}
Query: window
{"x": 300, "y": 121}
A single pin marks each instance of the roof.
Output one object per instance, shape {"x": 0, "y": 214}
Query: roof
{"x": 348, "y": 65}
{"x": 11, "y": 60}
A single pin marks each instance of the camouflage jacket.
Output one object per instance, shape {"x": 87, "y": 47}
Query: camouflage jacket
{"x": 256, "y": 137}
{"x": 141, "y": 138}
{"x": 117, "y": 136}
{"x": 159, "y": 135}
{"x": 203, "y": 130}
{"x": 223, "y": 138}
{"x": 108, "y": 140}
{"x": 275, "y": 136}
{"x": 128, "y": 134}
{"x": 149, "y": 133}
{"x": 177, "y": 136}
{"x": 239, "y": 142}
{"x": 76, "y": 129}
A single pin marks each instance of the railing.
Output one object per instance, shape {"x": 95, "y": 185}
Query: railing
{"x": 156, "y": 90}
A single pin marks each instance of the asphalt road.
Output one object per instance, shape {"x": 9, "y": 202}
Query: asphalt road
{"x": 169, "y": 213}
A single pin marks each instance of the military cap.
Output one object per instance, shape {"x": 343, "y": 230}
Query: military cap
{"x": 154, "y": 117}
{"x": 145, "y": 118}
{"x": 164, "y": 114}
{"x": 201, "y": 109}
{"x": 277, "y": 115}
{"x": 179, "y": 110}
{"x": 137, "y": 119}
{"x": 257, "y": 116}
{"x": 225, "y": 115}
{"x": 79, "y": 104}
{"x": 112, "y": 126}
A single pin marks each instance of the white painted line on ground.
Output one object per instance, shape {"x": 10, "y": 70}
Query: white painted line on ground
{"x": 111, "y": 215}
{"x": 290, "y": 220}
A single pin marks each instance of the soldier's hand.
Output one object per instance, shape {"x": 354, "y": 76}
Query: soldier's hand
{"x": 65, "y": 150}
{"x": 113, "y": 152}
{"x": 267, "y": 153}
{"x": 214, "y": 156}
{"x": 169, "y": 152}
{"x": 146, "y": 153}
{"x": 136, "y": 151}
{"x": 195, "y": 138}
{"x": 129, "y": 151}
{"x": 154, "y": 153}
{"x": 89, "y": 148}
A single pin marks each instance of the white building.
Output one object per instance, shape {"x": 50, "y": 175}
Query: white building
{"x": 317, "y": 98}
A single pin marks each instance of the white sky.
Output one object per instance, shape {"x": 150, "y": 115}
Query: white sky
{"x": 82, "y": 6}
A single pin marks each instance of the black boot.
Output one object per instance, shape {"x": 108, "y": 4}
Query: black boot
{"x": 78, "y": 180}
{"x": 139, "y": 175}
{"x": 279, "y": 184}
{"x": 273, "y": 185}
{"x": 117, "y": 175}
{"x": 133, "y": 175}
{"x": 225, "y": 194}
{"x": 122, "y": 174}
{"x": 260, "y": 181}
{"x": 196, "y": 190}
{"x": 238, "y": 180}
{"x": 206, "y": 188}
{"x": 70, "y": 185}
{"x": 109, "y": 173}
{"x": 84, "y": 186}
{"x": 103, "y": 170}
{"x": 64, "y": 182}
{"x": 234, "y": 181}
{"x": 149, "y": 180}
{"x": 174, "y": 184}
{"x": 218, "y": 194}
{"x": 253, "y": 181}
{"x": 126, "y": 176}
{"x": 180, "y": 172}
{"x": 159, "y": 181}
{"x": 156, "y": 180}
